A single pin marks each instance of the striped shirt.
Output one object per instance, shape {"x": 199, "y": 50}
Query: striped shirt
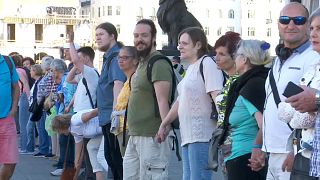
{"x": 315, "y": 158}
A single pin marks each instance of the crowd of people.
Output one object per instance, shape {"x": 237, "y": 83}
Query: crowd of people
{"x": 262, "y": 113}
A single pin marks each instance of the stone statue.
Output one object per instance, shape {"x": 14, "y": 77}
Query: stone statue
{"x": 173, "y": 17}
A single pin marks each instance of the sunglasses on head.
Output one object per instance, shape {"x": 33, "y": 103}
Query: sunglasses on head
{"x": 298, "y": 20}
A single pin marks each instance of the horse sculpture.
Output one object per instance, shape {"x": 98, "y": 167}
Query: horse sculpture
{"x": 173, "y": 17}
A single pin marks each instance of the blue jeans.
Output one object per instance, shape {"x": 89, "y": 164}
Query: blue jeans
{"x": 63, "y": 141}
{"x": 31, "y": 135}
{"x": 23, "y": 120}
{"x": 44, "y": 138}
{"x": 195, "y": 161}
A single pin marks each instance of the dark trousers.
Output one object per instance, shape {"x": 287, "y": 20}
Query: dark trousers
{"x": 63, "y": 141}
{"x": 89, "y": 175}
{"x": 238, "y": 168}
{"x": 112, "y": 152}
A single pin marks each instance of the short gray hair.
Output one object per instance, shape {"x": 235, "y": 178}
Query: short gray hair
{"x": 59, "y": 65}
{"x": 315, "y": 13}
{"x": 45, "y": 63}
{"x": 255, "y": 50}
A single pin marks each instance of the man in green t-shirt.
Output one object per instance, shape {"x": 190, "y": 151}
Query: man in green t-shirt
{"x": 145, "y": 157}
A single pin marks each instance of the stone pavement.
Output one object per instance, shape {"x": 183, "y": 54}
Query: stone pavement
{"x": 31, "y": 168}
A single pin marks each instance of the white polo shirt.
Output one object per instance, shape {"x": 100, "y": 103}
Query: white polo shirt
{"x": 276, "y": 132}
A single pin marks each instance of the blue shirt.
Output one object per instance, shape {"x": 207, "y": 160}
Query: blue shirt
{"x": 244, "y": 127}
{"x": 105, "y": 86}
{"x": 5, "y": 86}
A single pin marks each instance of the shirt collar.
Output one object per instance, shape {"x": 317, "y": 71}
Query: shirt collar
{"x": 303, "y": 47}
{"x": 114, "y": 48}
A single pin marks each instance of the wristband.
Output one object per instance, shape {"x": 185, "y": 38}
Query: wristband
{"x": 257, "y": 146}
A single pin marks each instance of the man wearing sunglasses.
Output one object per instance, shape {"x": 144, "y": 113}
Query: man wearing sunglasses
{"x": 294, "y": 57}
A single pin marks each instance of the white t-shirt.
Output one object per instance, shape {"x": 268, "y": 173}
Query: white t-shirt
{"x": 81, "y": 100}
{"x": 276, "y": 132}
{"x": 194, "y": 102}
{"x": 77, "y": 125}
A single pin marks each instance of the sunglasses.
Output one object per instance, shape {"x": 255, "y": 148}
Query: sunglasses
{"x": 298, "y": 20}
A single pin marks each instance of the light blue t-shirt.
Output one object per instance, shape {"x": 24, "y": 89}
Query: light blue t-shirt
{"x": 5, "y": 86}
{"x": 105, "y": 86}
{"x": 244, "y": 128}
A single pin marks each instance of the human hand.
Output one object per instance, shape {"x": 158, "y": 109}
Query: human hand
{"x": 288, "y": 162}
{"x": 304, "y": 101}
{"x": 85, "y": 117}
{"x": 162, "y": 133}
{"x": 67, "y": 109}
{"x": 12, "y": 112}
{"x": 257, "y": 160}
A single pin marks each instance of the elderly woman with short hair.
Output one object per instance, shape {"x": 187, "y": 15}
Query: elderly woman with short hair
{"x": 58, "y": 69}
{"x": 44, "y": 87}
{"x": 243, "y": 116}
{"x": 36, "y": 74}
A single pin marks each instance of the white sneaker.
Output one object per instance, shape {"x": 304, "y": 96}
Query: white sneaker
{"x": 57, "y": 172}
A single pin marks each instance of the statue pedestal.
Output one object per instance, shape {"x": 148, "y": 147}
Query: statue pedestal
{"x": 170, "y": 52}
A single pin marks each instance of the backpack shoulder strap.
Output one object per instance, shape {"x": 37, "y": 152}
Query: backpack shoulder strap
{"x": 9, "y": 63}
{"x": 149, "y": 76}
{"x": 151, "y": 62}
{"x": 201, "y": 68}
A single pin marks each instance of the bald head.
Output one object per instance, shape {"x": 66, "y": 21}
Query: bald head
{"x": 295, "y": 6}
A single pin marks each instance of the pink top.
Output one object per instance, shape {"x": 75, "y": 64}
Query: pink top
{"x": 24, "y": 79}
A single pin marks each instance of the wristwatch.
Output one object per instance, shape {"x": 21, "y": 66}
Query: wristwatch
{"x": 318, "y": 99}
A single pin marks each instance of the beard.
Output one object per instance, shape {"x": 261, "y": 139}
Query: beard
{"x": 145, "y": 52}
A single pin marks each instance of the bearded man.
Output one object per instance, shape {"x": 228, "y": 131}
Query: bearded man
{"x": 144, "y": 157}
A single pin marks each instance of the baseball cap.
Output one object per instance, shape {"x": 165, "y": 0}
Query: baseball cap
{"x": 67, "y": 46}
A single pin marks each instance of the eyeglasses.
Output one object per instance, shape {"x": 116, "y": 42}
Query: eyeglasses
{"x": 124, "y": 58}
{"x": 298, "y": 20}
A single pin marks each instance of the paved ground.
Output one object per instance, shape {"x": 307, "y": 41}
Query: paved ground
{"x": 30, "y": 168}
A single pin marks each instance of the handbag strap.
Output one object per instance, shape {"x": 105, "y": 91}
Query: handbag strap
{"x": 125, "y": 117}
{"x": 84, "y": 81}
{"x": 275, "y": 92}
{"x": 274, "y": 88}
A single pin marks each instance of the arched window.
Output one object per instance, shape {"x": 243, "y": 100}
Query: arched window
{"x": 231, "y": 14}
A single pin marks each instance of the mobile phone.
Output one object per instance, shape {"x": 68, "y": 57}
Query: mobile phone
{"x": 292, "y": 89}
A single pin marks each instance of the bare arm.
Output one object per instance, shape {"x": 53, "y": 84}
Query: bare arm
{"x": 15, "y": 97}
{"x": 116, "y": 90}
{"x": 74, "y": 55}
{"x": 257, "y": 160}
{"x": 89, "y": 115}
{"x": 162, "y": 89}
{"x": 165, "y": 125}
{"x": 67, "y": 109}
{"x": 71, "y": 76}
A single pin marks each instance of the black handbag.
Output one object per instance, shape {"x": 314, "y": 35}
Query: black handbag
{"x": 300, "y": 169}
{"x": 36, "y": 111}
{"x": 214, "y": 144}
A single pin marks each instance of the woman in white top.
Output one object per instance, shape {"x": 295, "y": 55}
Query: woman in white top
{"x": 193, "y": 105}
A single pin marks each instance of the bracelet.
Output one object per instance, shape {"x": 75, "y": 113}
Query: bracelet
{"x": 257, "y": 146}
